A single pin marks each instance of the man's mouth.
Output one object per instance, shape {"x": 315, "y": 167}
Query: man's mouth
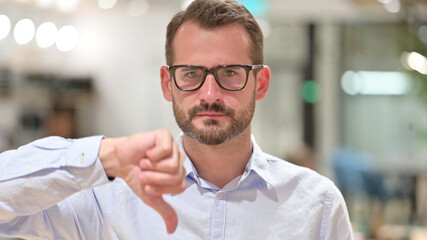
{"x": 210, "y": 115}
{"x": 214, "y": 111}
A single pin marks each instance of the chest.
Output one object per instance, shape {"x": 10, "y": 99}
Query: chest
{"x": 244, "y": 213}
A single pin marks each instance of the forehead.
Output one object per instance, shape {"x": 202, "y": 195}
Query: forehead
{"x": 227, "y": 44}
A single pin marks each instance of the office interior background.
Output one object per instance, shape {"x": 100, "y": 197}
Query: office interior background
{"x": 348, "y": 94}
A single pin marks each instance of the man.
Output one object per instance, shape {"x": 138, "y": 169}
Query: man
{"x": 215, "y": 74}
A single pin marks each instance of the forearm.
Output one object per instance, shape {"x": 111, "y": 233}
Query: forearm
{"x": 40, "y": 174}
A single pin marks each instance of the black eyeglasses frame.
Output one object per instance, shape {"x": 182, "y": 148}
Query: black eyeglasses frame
{"x": 214, "y": 71}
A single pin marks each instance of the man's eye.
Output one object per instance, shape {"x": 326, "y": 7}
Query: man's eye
{"x": 229, "y": 73}
{"x": 191, "y": 74}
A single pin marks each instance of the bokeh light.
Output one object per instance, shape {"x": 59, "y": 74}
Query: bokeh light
{"x": 4, "y": 26}
{"x": 67, "y": 38}
{"x": 45, "y": 3}
{"x": 417, "y": 62}
{"x": 375, "y": 83}
{"x": 66, "y": 5}
{"x": 311, "y": 91}
{"x": 46, "y": 34}
{"x": 106, "y": 4}
{"x": 24, "y": 31}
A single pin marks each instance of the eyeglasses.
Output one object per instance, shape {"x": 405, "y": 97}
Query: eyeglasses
{"x": 229, "y": 77}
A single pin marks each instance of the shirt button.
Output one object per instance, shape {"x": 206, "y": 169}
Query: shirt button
{"x": 28, "y": 168}
{"x": 220, "y": 196}
{"x": 82, "y": 158}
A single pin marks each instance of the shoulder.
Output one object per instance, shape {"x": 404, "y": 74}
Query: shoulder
{"x": 284, "y": 176}
{"x": 304, "y": 192}
{"x": 279, "y": 172}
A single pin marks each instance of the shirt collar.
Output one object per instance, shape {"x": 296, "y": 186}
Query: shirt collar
{"x": 257, "y": 163}
{"x": 188, "y": 165}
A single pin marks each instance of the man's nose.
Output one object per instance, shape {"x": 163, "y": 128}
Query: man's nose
{"x": 211, "y": 92}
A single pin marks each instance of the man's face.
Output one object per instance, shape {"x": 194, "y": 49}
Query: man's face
{"x": 212, "y": 115}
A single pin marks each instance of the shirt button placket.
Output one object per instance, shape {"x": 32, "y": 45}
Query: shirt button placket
{"x": 218, "y": 217}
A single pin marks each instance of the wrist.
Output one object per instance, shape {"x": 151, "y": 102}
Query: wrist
{"x": 107, "y": 155}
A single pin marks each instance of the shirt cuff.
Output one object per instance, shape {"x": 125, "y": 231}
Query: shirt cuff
{"x": 83, "y": 156}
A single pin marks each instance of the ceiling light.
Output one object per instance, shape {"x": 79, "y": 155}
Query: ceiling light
{"x": 66, "y": 5}
{"x": 68, "y": 38}
{"x": 4, "y": 26}
{"x": 24, "y": 31}
{"x": 417, "y": 62}
{"x": 46, "y": 34}
{"x": 106, "y": 4}
{"x": 45, "y": 3}
{"x": 393, "y": 7}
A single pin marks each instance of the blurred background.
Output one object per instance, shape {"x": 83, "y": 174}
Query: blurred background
{"x": 348, "y": 94}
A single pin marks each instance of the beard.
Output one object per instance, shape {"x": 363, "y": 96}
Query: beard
{"x": 211, "y": 133}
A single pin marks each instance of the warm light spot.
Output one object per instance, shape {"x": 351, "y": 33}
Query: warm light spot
{"x": 24, "y": 31}
{"x": 106, "y": 4}
{"x": 67, "y": 39}
{"x": 66, "y": 5}
{"x": 4, "y": 26}
{"x": 46, "y": 34}
{"x": 417, "y": 62}
{"x": 45, "y": 3}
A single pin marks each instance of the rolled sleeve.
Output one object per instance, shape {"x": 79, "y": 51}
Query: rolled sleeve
{"x": 40, "y": 174}
{"x": 49, "y": 153}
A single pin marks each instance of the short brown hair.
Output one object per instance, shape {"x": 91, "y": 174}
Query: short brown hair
{"x": 210, "y": 14}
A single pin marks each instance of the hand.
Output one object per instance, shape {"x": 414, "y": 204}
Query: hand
{"x": 151, "y": 165}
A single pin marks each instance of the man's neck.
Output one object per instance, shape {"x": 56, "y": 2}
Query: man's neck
{"x": 220, "y": 164}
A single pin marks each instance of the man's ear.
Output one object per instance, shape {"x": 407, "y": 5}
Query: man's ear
{"x": 166, "y": 82}
{"x": 262, "y": 83}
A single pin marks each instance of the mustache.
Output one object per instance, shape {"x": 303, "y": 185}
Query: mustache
{"x": 212, "y": 108}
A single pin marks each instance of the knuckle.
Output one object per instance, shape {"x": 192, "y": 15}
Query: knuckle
{"x": 167, "y": 149}
{"x": 164, "y": 133}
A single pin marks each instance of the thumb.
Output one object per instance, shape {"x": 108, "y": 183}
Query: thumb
{"x": 165, "y": 210}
